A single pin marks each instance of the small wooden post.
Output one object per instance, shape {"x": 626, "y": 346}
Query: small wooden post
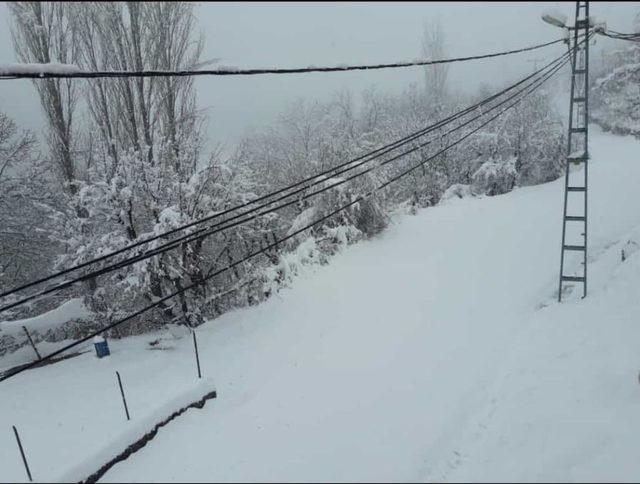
{"x": 24, "y": 458}
{"x": 195, "y": 346}
{"x": 32, "y": 343}
{"x": 124, "y": 400}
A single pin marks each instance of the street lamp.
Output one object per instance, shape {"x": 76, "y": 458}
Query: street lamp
{"x": 555, "y": 18}
{"x": 558, "y": 19}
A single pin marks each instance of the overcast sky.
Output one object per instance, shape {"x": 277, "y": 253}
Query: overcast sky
{"x": 302, "y": 34}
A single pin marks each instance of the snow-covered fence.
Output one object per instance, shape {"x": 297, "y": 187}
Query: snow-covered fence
{"x": 134, "y": 441}
{"x": 135, "y": 438}
{"x": 137, "y": 431}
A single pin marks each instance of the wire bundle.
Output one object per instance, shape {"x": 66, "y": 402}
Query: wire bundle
{"x": 612, "y": 34}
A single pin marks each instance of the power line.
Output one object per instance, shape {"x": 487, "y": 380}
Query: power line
{"x": 225, "y": 224}
{"x": 208, "y": 230}
{"x": 172, "y": 231}
{"x": 358, "y": 199}
{"x": 8, "y": 73}
{"x": 384, "y": 148}
{"x": 320, "y": 176}
{"x": 612, "y": 34}
{"x": 274, "y": 244}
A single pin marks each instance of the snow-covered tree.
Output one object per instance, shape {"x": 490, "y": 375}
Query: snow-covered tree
{"x": 432, "y": 47}
{"x": 616, "y": 93}
{"x": 147, "y": 171}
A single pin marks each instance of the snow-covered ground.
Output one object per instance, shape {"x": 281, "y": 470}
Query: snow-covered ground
{"x": 436, "y": 351}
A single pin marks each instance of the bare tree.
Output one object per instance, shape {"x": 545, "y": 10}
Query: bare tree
{"x": 435, "y": 76}
{"x": 42, "y": 33}
{"x": 24, "y": 244}
{"x": 135, "y": 113}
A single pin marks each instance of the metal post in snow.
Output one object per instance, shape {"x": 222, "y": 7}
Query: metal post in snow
{"x": 195, "y": 346}
{"x": 124, "y": 400}
{"x": 24, "y": 458}
{"x": 32, "y": 343}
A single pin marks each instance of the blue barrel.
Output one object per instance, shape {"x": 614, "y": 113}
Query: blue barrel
{"x": 102, "y": 348}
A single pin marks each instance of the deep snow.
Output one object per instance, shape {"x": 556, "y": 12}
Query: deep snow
{"x": 436, "y": 351}
{"x": 69, "y": 310}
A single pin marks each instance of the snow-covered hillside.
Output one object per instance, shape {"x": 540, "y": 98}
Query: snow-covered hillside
{"x": 436, "y": 351}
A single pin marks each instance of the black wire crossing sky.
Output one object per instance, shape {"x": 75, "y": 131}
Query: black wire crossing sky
{"x": 64, "y": 71}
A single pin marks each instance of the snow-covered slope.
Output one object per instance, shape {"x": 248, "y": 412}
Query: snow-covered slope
{"x": 434, "y": 352}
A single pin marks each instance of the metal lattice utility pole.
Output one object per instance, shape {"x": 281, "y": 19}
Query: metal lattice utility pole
{"x": 574, "y": 216}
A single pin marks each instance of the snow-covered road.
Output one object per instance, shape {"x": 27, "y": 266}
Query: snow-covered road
{"x": 434, "y": 352}
{"x": 428, "y": 355}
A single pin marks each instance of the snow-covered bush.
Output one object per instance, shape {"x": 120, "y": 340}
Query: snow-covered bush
{"x": 525, "y": 146}
{"x": 289, "y": 265}
{"x": 456, "y": 191}
{"x": 531, "y": 134}
{"x": 494, "y": 178}
{"x": 67, "y": 321}
{"x": 139, "y": 201}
